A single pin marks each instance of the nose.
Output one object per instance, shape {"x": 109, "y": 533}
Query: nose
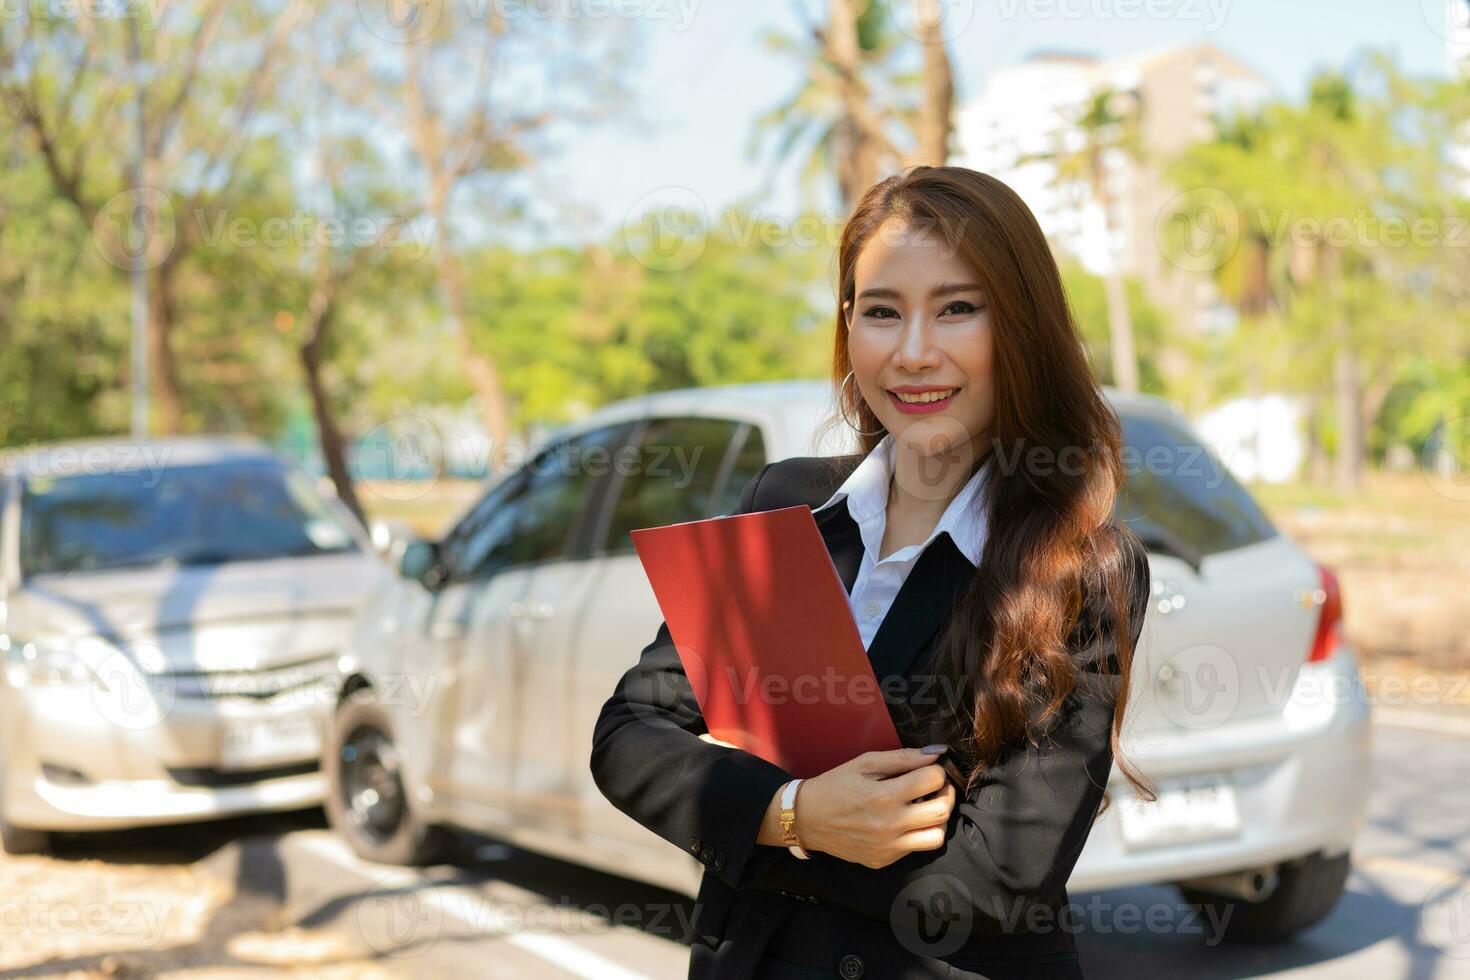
{"x": 917, "y": 350}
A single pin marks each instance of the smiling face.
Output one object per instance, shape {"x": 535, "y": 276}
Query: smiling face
{"x": 919, "y": 340}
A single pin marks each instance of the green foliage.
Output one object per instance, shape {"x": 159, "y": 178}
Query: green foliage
{"x": 1088, "y": 300}
{"x": 746, "y": 299}
{"x": 63, "y": 319}
{"x": 1432, "y": 399}
{"x": 578, "y": 329}
{"x": 1332, "y": 224}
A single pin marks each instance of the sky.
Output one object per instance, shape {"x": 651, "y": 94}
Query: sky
{"x": 702, "y": 78}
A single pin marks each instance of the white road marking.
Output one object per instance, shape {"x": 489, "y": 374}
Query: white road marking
{"x": 572, "y": 958}
{"x": 1424, "y": 721}
{"x": 470, "y": 911}
{"x": 1417, "y": 870}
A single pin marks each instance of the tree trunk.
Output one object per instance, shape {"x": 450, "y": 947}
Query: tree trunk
{"x": 1318, "y": 465}
{"x": 333, "y": 444}
{"x": 854, "y": 173}
{"x": 1346, "y": 383}
{"x": 162, "y": 367}
{"x": 1120, "y": 323}
{"x": 479, "y": 369}
{"x": 1120, "y": 333}
{"x": 1255, "y": 296}
{"x": 1347, "y": 398}
{"x": 857, "y": 163}
{"x": 936, "y": 112}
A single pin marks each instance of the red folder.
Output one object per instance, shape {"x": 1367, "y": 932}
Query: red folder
{"x": 762, "y": 626}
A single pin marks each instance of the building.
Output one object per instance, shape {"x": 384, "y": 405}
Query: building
{"x": 1457, "y": 37}
{"x": 1457, "y": 53}
{"x": 1025, "y": 113}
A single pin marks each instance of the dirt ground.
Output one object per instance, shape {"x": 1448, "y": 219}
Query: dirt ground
{"x": 148, "y": 902}
{"x": 1401, "y": 551}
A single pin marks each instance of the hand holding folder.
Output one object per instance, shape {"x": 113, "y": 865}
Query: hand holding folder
{"x": 762, "y": 627}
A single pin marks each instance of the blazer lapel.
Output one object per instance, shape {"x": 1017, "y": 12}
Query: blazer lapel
{"x": 844, "y": 541}
{"x": 919, "y": 609}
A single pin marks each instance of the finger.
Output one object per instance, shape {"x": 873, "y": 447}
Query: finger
{"x": 917, "y": 783}
{"x": 893, "y": 762}
{"x": 948, "y": 785}
{"x": 928, "y": 839}
{"x": 929, "y": 813}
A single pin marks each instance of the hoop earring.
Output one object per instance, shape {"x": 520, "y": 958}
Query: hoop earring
{"x": 842, "y": 408}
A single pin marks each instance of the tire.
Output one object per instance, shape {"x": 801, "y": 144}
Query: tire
{"x": 23, "y": 840}
{"x": 361, "y": 756}
{"x": 1307, "y": 890}
{"x": 19, "y": 840}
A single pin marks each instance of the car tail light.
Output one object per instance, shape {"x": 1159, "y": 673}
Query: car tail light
{"x": 1329, "y": 619}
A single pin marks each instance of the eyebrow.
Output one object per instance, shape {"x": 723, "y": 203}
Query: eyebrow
{"x": 943, "y": 289}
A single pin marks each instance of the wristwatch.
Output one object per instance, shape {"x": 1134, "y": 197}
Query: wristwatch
{"x": 788, "y": 820}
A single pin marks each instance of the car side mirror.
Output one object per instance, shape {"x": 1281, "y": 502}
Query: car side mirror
{"x": 422, "y": 563}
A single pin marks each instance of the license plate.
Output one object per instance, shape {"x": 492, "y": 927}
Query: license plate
{"x": 257, "y": 742}
{"x": 1187, "y": 810}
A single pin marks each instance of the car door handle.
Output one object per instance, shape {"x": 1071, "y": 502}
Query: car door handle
{"x": 535, "y": 609}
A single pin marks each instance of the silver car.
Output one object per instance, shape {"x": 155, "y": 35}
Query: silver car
{"x": 478, "y": 674}
{"x": 172, "y": 614}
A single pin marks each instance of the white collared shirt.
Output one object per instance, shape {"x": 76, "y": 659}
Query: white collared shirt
{"x": 878, "y": 582}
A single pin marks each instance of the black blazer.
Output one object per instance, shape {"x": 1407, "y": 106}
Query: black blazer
{"x": 990, "y": 900}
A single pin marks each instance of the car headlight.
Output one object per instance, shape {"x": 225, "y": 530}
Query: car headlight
{"x": 45, "y": 663}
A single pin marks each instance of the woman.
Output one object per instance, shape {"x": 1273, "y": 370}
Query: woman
{"x": 999, "y": 603}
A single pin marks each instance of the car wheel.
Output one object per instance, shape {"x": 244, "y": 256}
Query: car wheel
{"x": 366, "y": 801}
{"x": 23, "y": 840}
{"x": 1307, "y": 890}
{"x": 20, "y": 840}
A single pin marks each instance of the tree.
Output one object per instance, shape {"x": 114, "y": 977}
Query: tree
{"x": 936, "y": 110}
{"x": 347, "y": 187}
{"x": 854, "y": 112}
{"x": 447, "y": 79}
{"x": 205, "y": 68}
{"x": 1104, "y": 128}
{"x": 61, "y": 315}
{"x": 1326, "y": 197}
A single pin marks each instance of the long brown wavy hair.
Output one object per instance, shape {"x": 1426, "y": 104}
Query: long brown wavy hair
{"x": 1004, "y": 661}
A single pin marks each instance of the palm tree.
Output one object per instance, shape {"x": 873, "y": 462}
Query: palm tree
{"x": 855, "y": 103}
{"x": 1296, "y": 177}
{"x": 1106, "y": 125}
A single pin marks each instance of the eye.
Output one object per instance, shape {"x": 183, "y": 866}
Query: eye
{"x": 965, "y": 307}
{"x": 880, "y": 312}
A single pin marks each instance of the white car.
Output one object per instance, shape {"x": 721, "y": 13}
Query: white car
{"x": 172, "y": 614}
{"x": 480, "y": 672}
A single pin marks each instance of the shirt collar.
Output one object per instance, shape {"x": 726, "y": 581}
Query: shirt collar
{"x": 866, "y": 490}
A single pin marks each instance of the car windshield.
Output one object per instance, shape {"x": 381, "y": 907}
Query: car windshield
{"x": 242, "y": 510}
{"x": 1179, "y": 498}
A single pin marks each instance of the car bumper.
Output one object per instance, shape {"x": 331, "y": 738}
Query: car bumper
{"x": 1301, "y": 780}
{"x": 70, "y": 763}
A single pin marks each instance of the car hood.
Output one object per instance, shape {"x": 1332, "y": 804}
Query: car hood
{"x": 151, "y": 602}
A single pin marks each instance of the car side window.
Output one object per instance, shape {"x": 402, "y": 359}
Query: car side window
{"x": 673, "y": 477}
{"x": 749, "y": 455}
{"x": 474, "y": 528}
{"x": 1174, "y": 483}
{"x": 536, "y": 518}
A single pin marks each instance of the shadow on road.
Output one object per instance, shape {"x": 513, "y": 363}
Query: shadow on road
{"x": 179, "y": 843}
